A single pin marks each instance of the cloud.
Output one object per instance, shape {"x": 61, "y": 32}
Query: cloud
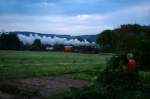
{"x": 136, "y": 14}
{"x": 74, "y": 25}
{"x": 77, "y": 24}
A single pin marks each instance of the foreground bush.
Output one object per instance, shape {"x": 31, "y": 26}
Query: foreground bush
{"x": 113, "y": 83}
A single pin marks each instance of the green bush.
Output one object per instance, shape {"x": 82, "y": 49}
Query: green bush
{"x": 113, "y": 83}
{"x": 143, "y": 54}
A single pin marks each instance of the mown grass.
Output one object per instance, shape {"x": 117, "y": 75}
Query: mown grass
{"x": 26, "y": 64}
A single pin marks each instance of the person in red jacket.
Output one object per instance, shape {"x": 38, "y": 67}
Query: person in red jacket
{"x": 131, "y": 64}
{"x": 132, "y": 71}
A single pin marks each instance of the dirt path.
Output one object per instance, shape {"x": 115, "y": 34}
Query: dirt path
{"x": 38, "y": 88}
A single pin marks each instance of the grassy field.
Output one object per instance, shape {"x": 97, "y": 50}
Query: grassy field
{"x": 26, "y": 64}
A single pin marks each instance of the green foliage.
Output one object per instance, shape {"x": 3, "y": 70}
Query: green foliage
{"x": 105, "y": 40}
{"x": 125, "y": 38}
{"x": 143, "y": 54}
{"x": 128, "y": 38}
{"x": 113, "y": 83}
{"x": 10, "y": 42}
{"x": 36, "y": 45}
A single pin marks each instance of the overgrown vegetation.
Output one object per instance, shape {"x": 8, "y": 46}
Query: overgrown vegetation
{"x": 128, "y": 38}
{"x": 113, "y": 83}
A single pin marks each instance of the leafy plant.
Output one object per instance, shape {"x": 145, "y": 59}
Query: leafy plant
{"x": 113, "y": 83}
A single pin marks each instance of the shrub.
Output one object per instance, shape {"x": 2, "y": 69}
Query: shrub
{"x": 143, "y": 54}
{"x": 113, "y": 83}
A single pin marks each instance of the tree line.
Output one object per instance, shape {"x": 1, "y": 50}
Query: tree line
{"x": 10, "y": 41}
{"x": 128, "y": 38}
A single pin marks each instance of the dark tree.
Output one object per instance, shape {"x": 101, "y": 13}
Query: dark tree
{"x": 126, "y": 37}
{"x": 10, "y": 42}
{"x": 36, "y": 45}
{"x": 105, "y": 40}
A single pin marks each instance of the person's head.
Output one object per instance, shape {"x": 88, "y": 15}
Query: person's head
{"x": 130, "y": 56}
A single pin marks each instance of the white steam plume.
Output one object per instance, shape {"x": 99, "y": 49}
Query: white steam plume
{"x": 53, "y": 40}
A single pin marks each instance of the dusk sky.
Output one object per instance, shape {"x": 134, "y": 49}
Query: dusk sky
{"x": 73, "y": 17}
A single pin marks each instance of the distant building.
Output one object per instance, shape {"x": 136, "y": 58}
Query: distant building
{"x": 49, "y": 48}
{"x": 68, "y": 48}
